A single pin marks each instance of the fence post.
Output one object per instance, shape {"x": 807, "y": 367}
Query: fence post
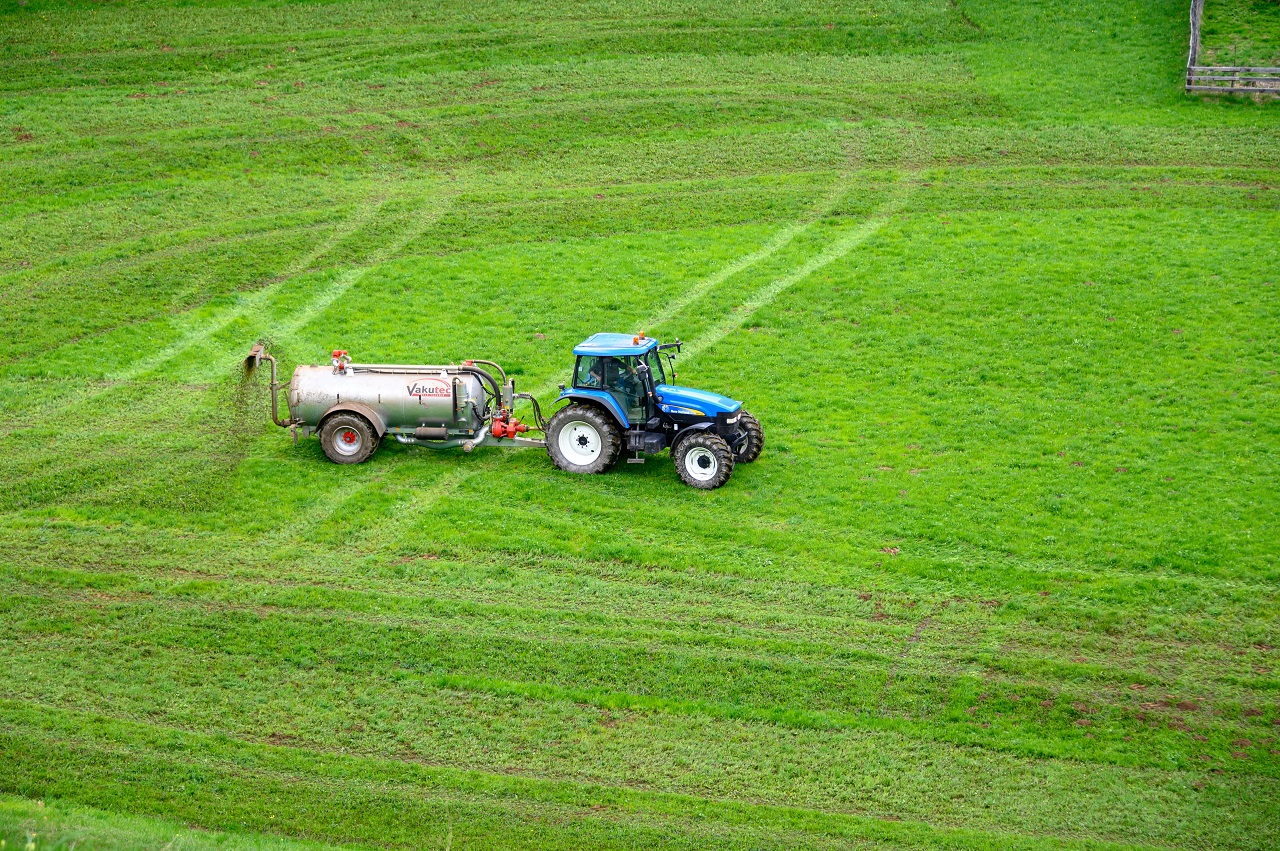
{"x": 1193, "y": 54}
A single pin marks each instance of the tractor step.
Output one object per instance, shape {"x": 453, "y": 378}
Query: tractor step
{"x": 643, "y": 442}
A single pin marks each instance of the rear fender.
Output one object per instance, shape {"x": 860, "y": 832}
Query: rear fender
{"x": 375, "y": 419}
{"x": 600, "y": 399}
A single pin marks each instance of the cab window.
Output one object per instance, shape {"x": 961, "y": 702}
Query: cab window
{"x": 589, "y": 374}
{"x": 618, "y": 377}
{"x": 608, "y": 373}
{"x": 654, "y": 360}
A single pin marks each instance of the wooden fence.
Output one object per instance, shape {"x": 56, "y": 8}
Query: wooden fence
{"x": 1225, "y": 79}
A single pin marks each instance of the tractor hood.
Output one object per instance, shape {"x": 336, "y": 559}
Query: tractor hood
{"x": 672, "y": 398}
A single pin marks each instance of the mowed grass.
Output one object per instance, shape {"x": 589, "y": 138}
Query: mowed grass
{"x": 1005, "y": 575}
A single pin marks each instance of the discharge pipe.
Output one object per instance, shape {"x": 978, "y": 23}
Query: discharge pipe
{"x": 256, "y": 356}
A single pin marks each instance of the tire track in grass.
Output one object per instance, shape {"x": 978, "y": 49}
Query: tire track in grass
{"x": 900, "y": 661}
{"x": 778, "y": 241}
{"x": 430, "y": 215}
{"x": 225, "y": 361}
{"x": 99, "y": 260}
{"x": 766, "y": 294}
{"x": 201, "y": 332}
{"x": 371, "y": 615}
{"x": 489, "y": 623}
{"x": 255, "y": 305}
{"x": 102, "y": 751}
{"x": 334, "y": 503}
{"x": 395, "y": 526}
{"x": 253, "y": 302}
{"x": 1120, "y": 657}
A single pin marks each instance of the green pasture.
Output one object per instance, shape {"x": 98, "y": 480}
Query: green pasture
{"x": 1241, "y": 32}
{"x": 1003, "y": 297}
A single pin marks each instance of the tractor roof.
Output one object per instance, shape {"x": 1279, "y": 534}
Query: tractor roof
{"x": 614, "y": 344}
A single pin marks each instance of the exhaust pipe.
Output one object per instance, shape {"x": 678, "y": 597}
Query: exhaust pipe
{"x": 252, "y": 360}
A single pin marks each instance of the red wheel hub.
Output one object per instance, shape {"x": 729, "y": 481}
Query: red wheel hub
{"x": 348, "y": 436}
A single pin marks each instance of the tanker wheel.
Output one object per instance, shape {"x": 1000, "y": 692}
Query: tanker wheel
{"x": 755, "y": 439}
{"x": 347, "y": 438}
{"x": 704, "y": 460}
{"x": 583, "y": 439}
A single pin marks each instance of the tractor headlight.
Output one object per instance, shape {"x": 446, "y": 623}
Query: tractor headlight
{"x": 733, "y": 420}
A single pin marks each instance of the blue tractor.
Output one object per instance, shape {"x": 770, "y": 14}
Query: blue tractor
{"x": 621, "y": 400}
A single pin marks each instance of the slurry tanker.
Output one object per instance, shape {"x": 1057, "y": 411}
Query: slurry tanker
{"x": 619, "y": 402}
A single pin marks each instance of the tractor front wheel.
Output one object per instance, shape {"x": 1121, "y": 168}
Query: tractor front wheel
{"x": 755, "y": 439}
{"x": 583, "y": 439}
{"x": 703, "y": 460}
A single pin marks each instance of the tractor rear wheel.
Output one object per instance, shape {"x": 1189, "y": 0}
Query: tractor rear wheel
{"x": 347, "y": 438}
{"x": 703, "y": 460}
{"x": 583, "y": 439}
{"x": 755, "y": 439}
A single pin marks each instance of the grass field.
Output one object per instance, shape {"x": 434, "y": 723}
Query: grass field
{"x": 1006, "y": 575}
{"x": 1241, "y": 32}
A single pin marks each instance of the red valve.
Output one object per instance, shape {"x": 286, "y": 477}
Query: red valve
{"x": 337, "y": 353}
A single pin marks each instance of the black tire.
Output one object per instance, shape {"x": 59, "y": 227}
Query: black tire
{"x": 755, "y": 439}
{"x": 703, "y": 460}
{"x": 348, "y": 438}
{"x": 591, "y": 441}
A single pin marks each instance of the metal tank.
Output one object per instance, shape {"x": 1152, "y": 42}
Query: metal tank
{"x": 424, "y": 402}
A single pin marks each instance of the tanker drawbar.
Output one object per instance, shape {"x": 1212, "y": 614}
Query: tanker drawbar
{"x": 620, "y": 401}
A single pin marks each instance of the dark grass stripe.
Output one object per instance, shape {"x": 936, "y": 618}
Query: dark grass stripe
{"x": 223, "y": 783}
{"x": 621, "y": 671}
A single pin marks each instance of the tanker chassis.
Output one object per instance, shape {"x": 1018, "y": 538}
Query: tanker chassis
{"x": 619, "y": 401}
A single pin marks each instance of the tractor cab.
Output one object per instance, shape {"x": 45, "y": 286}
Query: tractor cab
{"x": 615, "y": 364}
{"x": 622, "y": 399}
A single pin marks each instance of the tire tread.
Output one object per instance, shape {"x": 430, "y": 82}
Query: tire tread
{"x": 755, "y": 439}
{"x": 610, "y": 438}
{"x": 717, "y": 445}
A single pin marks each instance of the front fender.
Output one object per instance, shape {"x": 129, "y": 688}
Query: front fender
{"x": 734, "y": 440}
{"x": 692, "y": 429}
{"x": 598, "y": 397}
